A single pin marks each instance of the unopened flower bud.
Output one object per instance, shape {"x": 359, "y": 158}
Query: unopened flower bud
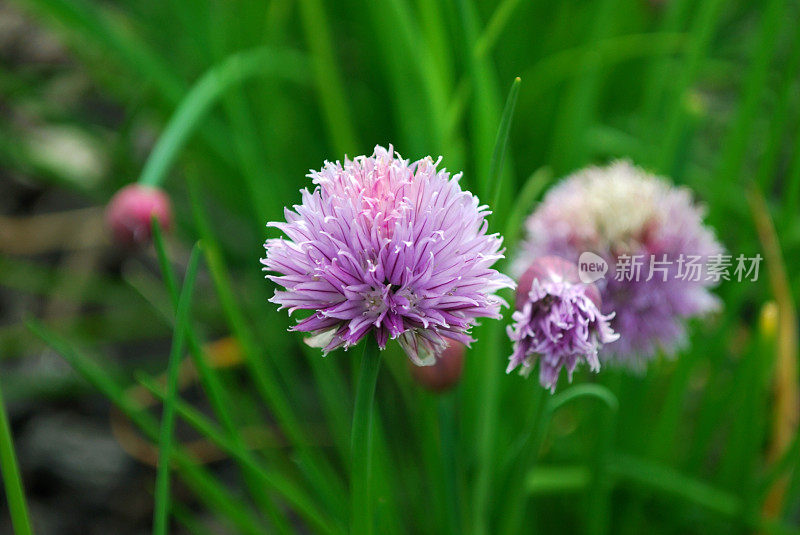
{"x": 445, "y": 373}
{"x": 130, "y": 213}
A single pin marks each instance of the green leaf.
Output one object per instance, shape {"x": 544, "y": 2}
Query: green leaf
{"x": 209, "y": 490}
{"x": 591, "y": 390}
{"x": 206, "y": 91}
{"x": 499, "y": 152}
{"x": 183, "y": 317}
{"x": 294, "y": 494}
{"x": 12, "y": 481}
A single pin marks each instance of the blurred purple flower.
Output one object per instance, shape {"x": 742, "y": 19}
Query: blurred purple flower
{"x": 622, "y": 210}
{"x": 386, "y": 246}
{"x": 557, "y": 322}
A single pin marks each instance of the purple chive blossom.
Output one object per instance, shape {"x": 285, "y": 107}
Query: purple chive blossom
{"x": 622, "y": 210}
{"x": 557, "y": 322}
{"x": 390, "y": 247}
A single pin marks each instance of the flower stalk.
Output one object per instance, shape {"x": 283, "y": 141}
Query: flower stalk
{"x": 361, "y": 522}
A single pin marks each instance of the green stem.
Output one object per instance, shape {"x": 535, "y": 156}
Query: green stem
{"x": 447, "y": 428}
{"x": 11, "y": 478}
{"x": 162, "y": 494}
{"x": 515, "y": 506}
{"x": 600, "y": 484}
{"x": 361, "y": 442}
{"x": 487, "y": 425}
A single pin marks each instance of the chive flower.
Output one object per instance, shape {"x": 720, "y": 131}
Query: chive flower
{"x": 557, "y": 323}
{"x": 389, "y": 247}
{"x": 129, "y": 213}
{"x": 635, "y": 222}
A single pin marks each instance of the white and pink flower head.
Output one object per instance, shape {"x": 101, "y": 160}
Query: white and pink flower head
{"x": 621, "y": 210}
{"x": 390, "y": 247}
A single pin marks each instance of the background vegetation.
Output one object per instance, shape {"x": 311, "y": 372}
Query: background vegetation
{"x": 706, "y": 92}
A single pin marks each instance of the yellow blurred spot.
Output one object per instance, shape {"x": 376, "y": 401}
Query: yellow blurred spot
{"x": 768, "y": 320}
{"x": 695, "y": 103}
{"x": 224, "y": 353}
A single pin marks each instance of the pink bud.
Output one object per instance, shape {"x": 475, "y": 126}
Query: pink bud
{"x": 445, "y": 373}
{"x": 552, "y": 268}
{"x": 130, "y": 211}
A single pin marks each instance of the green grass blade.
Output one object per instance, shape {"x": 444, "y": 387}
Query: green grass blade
{"x": 398, "y": 41}
{"x": 207, "y": 90}
{"x": 705, "y": 24}
{"x": 487, "y": 417}
{"x": 578, "y": 109}
{"x": 183, "y": 317}
{"x": 495, "y": 26}
{"x": 203, "y": 484}
{"x": 500, "y": 144}
{"x": 186, "y": 518}
{"x": 793, "y": 185}
{"x": 12, "y": 481}
{"x": 85, "y": 19}
{"x": 485, "y": 96}
{"x": 163, "y": 262}
{"x": 294, "y": 494}
{"x": 549, "y": 480}
{"x": 338, "y": 118}
{"x": 487, "y": 423}
{"x": 321, "y": 474}
{"x": 598, "y": 507}
{"x": 212, "y": 384}
{"x": 590, "y": 390}
{"x": 514, "y": 507}
{"x": 658, "y": 70}
{"x": 734, "y": 146}
{"x": 787, "y": 462}
{"x": 438, "y": 76}
{"x": 523, "y": 205}
{"x": 446, "y": 411}
{"x": 781, "y": 114}
{"x": 551, "y": 70}
{"x": 665, "y": 479}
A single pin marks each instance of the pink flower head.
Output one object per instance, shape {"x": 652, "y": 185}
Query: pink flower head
{"x": 130, "y": 213}
{"x": 621, "y": 211}
{"x": 557, "y": 322}
{"x": 390, "y": 247}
